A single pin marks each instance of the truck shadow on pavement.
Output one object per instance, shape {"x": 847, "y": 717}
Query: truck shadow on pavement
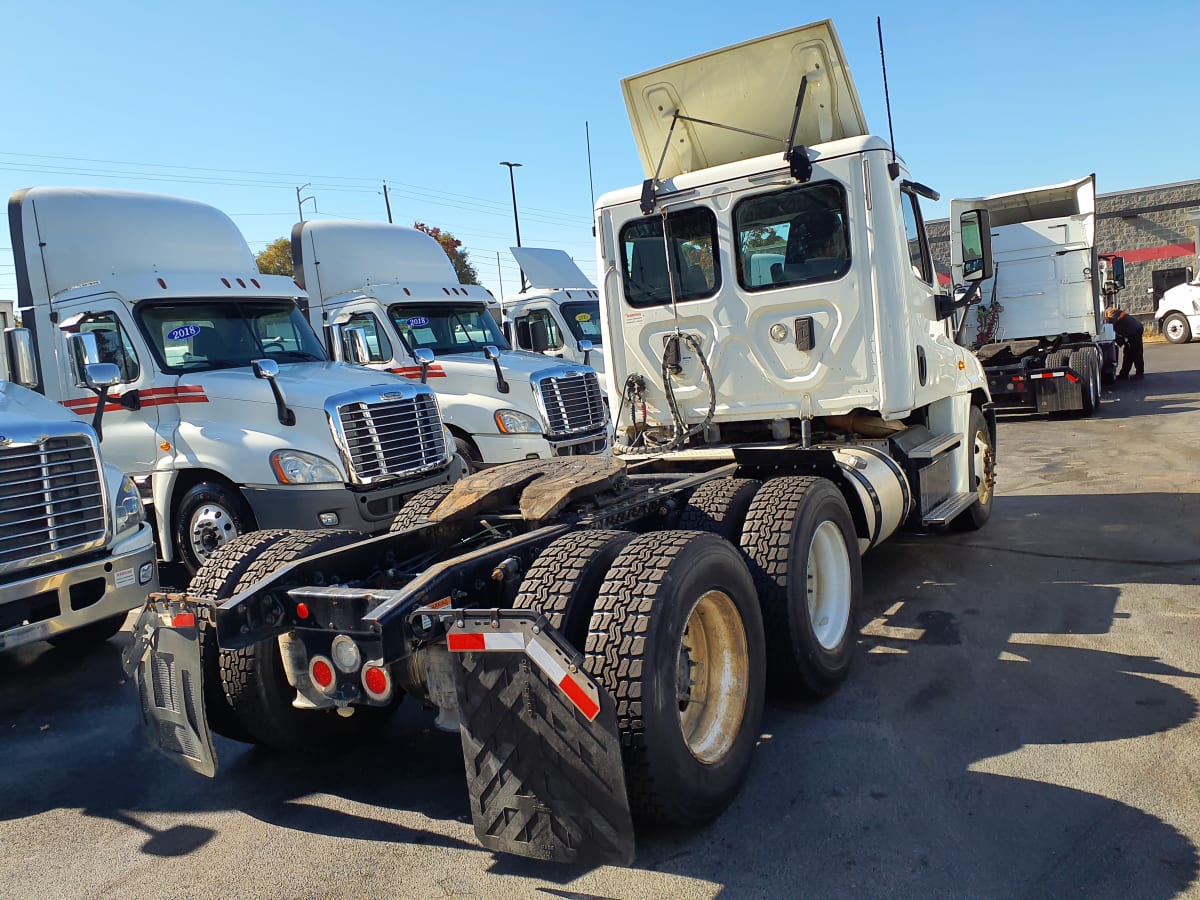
{"x": 982, "y": 745}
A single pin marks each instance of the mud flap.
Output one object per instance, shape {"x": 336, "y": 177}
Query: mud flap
{"x": 540, "y": 741}
{"x": 164, "y": 661}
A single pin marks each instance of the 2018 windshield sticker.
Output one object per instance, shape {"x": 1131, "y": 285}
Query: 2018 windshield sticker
{"x": 183, "y": 332}
{"x": 416, "y": 322}
{"x": 583, "y": 317}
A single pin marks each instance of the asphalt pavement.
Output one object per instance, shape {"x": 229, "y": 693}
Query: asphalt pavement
{"x": 1021, "y": 721}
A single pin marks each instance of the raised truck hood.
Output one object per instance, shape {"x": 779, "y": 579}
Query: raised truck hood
{"x": 547, "y": 269}
{"x": 750, "y": 86}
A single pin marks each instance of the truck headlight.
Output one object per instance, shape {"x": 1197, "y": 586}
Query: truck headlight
{"x": 298, "y": 467}
{"x": 510, "y": 421}
{"x": 129, "y": 512}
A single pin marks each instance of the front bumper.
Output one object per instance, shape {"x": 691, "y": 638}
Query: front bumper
{"x": 54, "y": 602}
{"x": 497, "y": 449}
{"x": 303, "y": 505}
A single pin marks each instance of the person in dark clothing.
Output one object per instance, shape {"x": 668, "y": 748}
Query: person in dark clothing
{"x": 1129, "y": 333}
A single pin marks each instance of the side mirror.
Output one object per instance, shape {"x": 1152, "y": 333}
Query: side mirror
{"x": 268, "y": 371}
{"x": 975, "y": 230}
{"x": 539, "y": 337}
{"x": 585, "y": 347}
{"x": 492, "y": 352}
{"x": 333, "y": 342}
{"x": 101, "y": 376}
{"x": 354, "y": 346}
{"x": 424, "y": 356}
{"x": 82, "y": 350}
{"x": 21, "y": 359}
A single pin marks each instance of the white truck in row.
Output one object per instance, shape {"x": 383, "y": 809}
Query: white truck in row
{"x": 76, "y": 550}
{"x": 227, "y": 411}
{"x": 601, "y": 631}
{"x": 1178, "y": 312}
{"x": 1045, "y": 346}
{"x": 396, "y": 287}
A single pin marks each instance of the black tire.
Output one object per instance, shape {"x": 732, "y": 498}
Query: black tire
{"x": 87, "y": 636}
{"x": 564, "y": 581}
{"x": 779, "y": 538}
{"x": 1083, "y": 362}
{"x": 1109, "y": 360}
{"x": 208, "y": 515}
{"x": 1057, "y": 358}
{"x": 469, "y": 452}
{"x": 1176, "y": 330}
{"x": 418, "y": 507}
{"x": 981, "y": 471}
{"x": 221, "y": 577}
{"x": 720, "y": 507}
{"x": 679, "y": 768}
{"x": 257, "y": 687}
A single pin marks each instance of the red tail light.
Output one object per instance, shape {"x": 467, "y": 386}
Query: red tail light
{"x": 376, "y": 682}
{"x": 320, "y": 671}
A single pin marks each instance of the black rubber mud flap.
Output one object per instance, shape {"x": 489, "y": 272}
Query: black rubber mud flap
{"x": 540, "y": 741}
{"x": 164, "y": 661}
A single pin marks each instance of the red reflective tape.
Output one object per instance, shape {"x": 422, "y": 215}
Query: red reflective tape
{"x": 1071, "y": 378}
{"x": 582, "y": 701}
{"x": 464, "y": 643}
{"x": 184, "y": 620}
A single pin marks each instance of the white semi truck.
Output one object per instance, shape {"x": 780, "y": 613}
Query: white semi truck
{"x": 1178, "y": 312}
{"x": 559, "y": 315}
{"x": 227, "y": 412}
{"x": 396, "y": 287}
{"x": 601, "y": 630}
{"x": 1045, "y": 346}
{"x": 76, "y": 551}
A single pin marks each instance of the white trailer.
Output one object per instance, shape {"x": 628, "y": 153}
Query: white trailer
{"x": 601, "y": 631}
{"x": 559, "y": 315}
{"x": 227, "y": 412}
{"x": 396, "y": 287}
{"x": 1041, "y": 333}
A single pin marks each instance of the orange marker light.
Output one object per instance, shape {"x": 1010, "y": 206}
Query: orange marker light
{"x": 164, "y": 446}
{"x": 301, "y": 610}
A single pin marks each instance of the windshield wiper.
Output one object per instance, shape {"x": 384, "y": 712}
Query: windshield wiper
{"x": 296, "y": 354}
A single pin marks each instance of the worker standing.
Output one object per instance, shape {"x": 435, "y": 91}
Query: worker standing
{"x": 1129, "y": 333}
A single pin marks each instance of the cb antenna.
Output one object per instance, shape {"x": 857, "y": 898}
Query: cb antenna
{"x": 587, "y": 131}
{"x": 893, "y": 166}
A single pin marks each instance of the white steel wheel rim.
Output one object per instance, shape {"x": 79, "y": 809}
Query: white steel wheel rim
{"x": 984, "y": 462}
{"x": 828, "y": 585}
{"x": 1174, "y": 329}
{"x": 212, "y": 526}
{"x": 714, "y": 669}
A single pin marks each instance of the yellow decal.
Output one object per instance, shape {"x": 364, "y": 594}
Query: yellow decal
{"x": 583, "y": 317}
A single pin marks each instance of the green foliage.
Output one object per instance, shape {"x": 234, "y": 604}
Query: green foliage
{"x": 453, "y": 246}
{"x": 277, "y": 258}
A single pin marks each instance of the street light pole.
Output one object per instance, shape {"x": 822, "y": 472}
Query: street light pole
{"x": 516, "y": 222}
{"x": 300, "y": 203}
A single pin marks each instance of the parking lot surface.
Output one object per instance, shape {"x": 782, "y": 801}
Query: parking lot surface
{"x": 1021, "y": 721}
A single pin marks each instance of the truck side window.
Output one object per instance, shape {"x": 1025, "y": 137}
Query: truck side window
{"x": 918, "y": 243}
{"x": 534, "y": 319}
{"x": 695, "y": 270}
{"x": 795, "y": 236}
{"x": 113, "y": 343}
{"x": 379, "y": 347}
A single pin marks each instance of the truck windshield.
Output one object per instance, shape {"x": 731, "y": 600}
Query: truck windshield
{"x": 583, "y": 318}
{"x": 200, "y": 335}
{"x": 446, "y": 327}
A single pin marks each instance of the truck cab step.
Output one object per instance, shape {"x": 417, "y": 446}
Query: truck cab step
{"x": 946, "y": 511}
{"x": 935, "y": 446}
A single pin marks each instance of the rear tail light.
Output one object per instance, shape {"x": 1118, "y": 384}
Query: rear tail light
{"x": 376, "y": 681}
{"x": 320, "y": 673}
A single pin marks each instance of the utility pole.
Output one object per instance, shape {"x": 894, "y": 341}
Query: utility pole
{"x": 300, "y": 203}
{"x": 387, "y": 202}
{"x": 516, "y": 221}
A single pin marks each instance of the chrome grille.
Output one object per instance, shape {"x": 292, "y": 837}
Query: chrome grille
{"x": 392, "y": 438}
{"x": 573, "y": 403}
{"x": 51, "y": 500}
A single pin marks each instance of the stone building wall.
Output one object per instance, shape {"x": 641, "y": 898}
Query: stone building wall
{"x": 1153, "y": 228}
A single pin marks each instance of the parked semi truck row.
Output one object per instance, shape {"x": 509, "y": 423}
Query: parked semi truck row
{"x": 396, "y": 287}
{"x": 227, "y": 411}
{"x": 601, "y": 630}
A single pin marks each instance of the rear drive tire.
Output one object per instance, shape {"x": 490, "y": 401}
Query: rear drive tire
{"x": 87, "y": 636}
{"x": 720, "y": 507}
{"x": 221, "y": 577}
{"x": 802, "y": 548}
{"x": 676, "y": 639}
{"x": 1083, "y": 362}
{"x": 209, "y": 515}
{"x": 981, "y": 469}
{"x": 563, "y": 582}
{"x": 1176, "y": 330}
{"x": 257, "y": 687}
{"x": 416, "y": 511}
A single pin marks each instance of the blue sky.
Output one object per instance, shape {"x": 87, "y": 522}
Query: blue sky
{"x": 237, "y": 104}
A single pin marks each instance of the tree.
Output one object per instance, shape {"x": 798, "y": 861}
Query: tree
{"x": 277, "y": 258}
{"x": 453, "y": 246}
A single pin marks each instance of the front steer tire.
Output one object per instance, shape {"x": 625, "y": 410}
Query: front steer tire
{"x": 257, "y": 688}
{"x": 676, "y": 639}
